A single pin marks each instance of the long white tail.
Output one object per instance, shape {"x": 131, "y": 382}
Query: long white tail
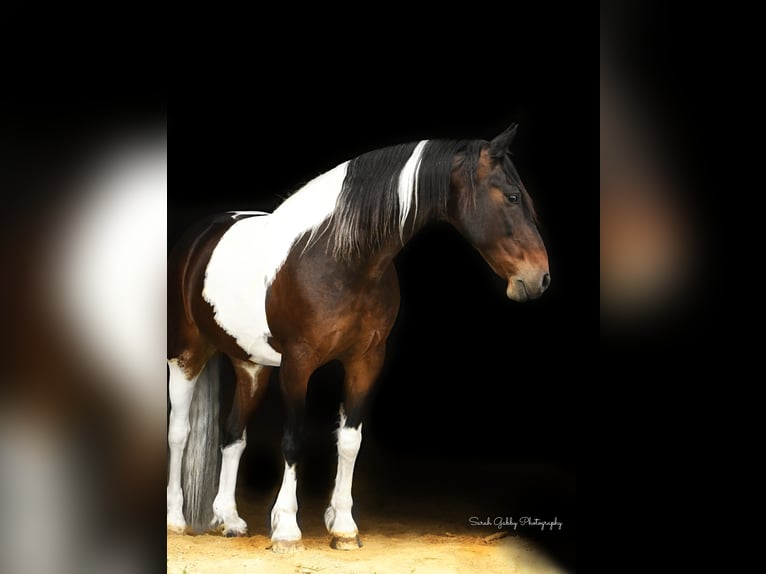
{"x": 202, "y": 458}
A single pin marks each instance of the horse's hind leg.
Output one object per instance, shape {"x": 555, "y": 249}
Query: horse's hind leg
{"x": 251, "y": 384}
{"x": 181, "y": 391}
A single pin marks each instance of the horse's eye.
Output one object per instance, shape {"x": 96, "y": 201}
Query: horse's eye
{"x": 512, "y": 197}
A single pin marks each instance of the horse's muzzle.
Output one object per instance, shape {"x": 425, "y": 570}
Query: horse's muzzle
{"x": 523, "y": 288}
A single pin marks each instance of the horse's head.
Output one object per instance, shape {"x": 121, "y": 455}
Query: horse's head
{"x": 494, "y": 212}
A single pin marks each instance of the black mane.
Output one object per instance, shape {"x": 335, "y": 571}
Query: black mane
{"x": 367, "y": 212}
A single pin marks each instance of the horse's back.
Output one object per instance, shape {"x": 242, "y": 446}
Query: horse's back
{"x": 238, "y": 274}
{"x": 187, "y": 265}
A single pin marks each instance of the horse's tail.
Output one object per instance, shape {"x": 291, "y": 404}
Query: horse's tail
{"x": 202, "y": 458}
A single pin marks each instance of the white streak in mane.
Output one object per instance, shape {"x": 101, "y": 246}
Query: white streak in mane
{"x": 249, "y": 255}
{"x": 238, "y": 214}
{"x": 408, "y": 185}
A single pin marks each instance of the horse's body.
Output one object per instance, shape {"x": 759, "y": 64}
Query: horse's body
{"x": 315, "y": 282}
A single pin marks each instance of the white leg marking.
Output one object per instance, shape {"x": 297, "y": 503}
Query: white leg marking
{"x": 181, "y": 392}
{"x": 338, "y": 517}
{"x": 284, "y": 524}
{"x": 224, "y": 505}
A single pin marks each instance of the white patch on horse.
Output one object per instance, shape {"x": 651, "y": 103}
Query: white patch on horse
{"x": 284, "y": 523}
{"x": 337, "y": 517}
{"x": 249, "y": 255}
{"x": 408, "y": 184}
{"x": 181, "y": 392}
{"x": 252, "y": 370}
{"x": 224, "y": 505}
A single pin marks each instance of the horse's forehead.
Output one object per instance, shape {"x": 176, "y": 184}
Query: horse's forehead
{"x": 485, "y": 165}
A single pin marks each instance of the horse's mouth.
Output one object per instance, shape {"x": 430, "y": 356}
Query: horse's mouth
{"x": 523, "y": 288}
{"x": 517, "y": 291}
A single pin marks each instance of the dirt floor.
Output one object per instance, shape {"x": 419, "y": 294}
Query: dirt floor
{"x": 404, "y": 553}
{"x": 413, "y": 509}
{"x": 411, "y": 519}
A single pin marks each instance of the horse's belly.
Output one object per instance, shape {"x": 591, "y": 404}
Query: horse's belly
{"x": 241, "y": 268}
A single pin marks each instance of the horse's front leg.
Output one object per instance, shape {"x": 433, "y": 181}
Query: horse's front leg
{"x": 294, "y": 376}
{"x": 360, "y": 375}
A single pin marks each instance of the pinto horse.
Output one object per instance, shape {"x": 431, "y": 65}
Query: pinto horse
{"x": 314, "y": 282}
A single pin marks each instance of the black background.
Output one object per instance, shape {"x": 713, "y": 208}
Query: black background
{"x": 470, "y": 376}
{"x": 464, "y": 362}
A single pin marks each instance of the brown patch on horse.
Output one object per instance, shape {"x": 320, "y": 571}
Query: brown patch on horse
{"x": 336, "y": 310}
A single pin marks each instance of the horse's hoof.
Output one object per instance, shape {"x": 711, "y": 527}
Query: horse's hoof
{"x": 176, "y": 526}
{"x": 346, "y": 542}
{"x": 176, "y": 522}
{"x": 286, "y": 546}
{"x": 231, "y": 530}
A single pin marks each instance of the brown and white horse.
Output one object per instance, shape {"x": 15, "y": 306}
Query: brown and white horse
{"x": 315, "y": 282}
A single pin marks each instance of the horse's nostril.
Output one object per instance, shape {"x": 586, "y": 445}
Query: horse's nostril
{"x": 546, "y": 281}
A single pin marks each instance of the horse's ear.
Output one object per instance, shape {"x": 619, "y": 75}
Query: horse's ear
{"x": 500, "y": 145}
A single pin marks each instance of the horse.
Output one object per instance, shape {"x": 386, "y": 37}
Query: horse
{"x": 314, "y": 282}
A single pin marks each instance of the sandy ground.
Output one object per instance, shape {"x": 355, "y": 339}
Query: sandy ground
{"x": 405, "y": 553}
{"x": 405, "y": 528}
{"x": 413, "y": 516}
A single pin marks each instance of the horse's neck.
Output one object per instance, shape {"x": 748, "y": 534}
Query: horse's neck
{"x": 377, "y": 264}
{"x": 374, "y": 266}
